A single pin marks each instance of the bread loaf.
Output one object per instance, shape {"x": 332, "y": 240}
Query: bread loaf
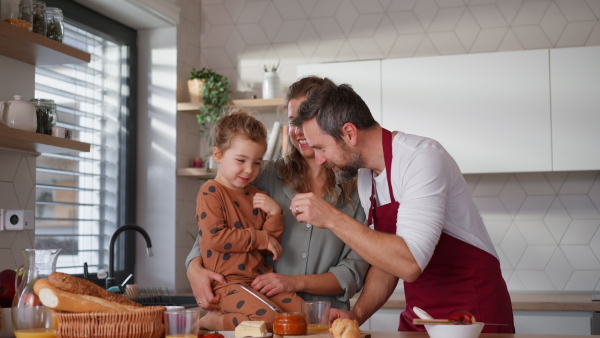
{"x": 345, "y": 328}
{"x": 57, "y": 299}
{"x": 72, "y": 284}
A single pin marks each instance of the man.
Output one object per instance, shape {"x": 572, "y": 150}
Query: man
{"x": 424, "y": 225}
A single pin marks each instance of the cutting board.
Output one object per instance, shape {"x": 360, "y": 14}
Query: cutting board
{"x": 321, "y": 334}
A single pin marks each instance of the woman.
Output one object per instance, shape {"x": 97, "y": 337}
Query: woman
{"x": 314, "y": 262}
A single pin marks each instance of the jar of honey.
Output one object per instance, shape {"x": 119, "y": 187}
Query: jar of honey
{"x": 291, "y": 323}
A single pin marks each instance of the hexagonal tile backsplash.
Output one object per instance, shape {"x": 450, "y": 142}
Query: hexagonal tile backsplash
{"x": 236, "y": 37}
{"x": 17, "y": 191}
{"x": 544, "y": 225}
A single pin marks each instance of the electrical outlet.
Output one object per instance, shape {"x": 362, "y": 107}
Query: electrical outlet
{"x": 19, "y": 220}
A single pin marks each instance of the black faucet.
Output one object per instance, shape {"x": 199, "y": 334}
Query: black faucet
{"x": 110, "y": 280}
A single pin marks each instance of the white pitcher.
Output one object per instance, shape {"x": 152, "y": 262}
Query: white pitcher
{"x": 18, "y": 114}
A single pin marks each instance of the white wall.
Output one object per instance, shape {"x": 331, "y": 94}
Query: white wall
{"x": 544, "y": 225}
{"x": 156, "y": 192}
{"x": 17, "y": 169}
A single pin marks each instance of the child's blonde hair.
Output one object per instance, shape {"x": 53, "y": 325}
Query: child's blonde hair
{"x": 238, "y": 122}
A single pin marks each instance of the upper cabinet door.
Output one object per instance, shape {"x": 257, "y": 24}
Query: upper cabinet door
{"x": 490, "y": 111}
{"x": 363, "y": 76}
{"x": 575, "y": 74}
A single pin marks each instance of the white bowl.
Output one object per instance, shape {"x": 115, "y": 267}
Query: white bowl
{"x": 454, "y": 331}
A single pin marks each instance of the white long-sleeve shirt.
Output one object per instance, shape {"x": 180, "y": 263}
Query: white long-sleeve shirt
{"x": 433, "y": 197}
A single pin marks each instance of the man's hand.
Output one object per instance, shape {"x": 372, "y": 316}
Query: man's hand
{"x": 312, "y": 209}
{"x": 201, "y": 282}
{"x": 267, "y": 204}
{"x": 338, "y": 313}
{"x": 274, "y": 247}
{"x": 271, "y": 284}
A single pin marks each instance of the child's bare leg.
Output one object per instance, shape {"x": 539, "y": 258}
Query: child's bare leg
{"x": 212, "y": 320}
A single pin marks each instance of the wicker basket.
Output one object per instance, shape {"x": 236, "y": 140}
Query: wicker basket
{"x": 135, "y": 324}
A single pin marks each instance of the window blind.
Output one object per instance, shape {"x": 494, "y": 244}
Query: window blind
{"x": 78, "y": 195}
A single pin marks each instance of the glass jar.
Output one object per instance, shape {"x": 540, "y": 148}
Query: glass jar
{"x": 54, "y": 24}
{"x": 18, "y": 13}
{"x": 290, "y": 323}
{"x": 39, "y": 17}
{"x": 46, "y": 115}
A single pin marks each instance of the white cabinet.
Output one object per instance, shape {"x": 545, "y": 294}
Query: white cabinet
{"x": 383, "y": 320}
{"x": 490, "y": 111}
{"x": 363, "y": 76}
{"x": 523, "y": 111}
{"x": 575, "y": 79}
{"x": 553, "y": 322}
{"x": 526, "y": 322}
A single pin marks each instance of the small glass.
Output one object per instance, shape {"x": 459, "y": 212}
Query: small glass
{"x": 54, "y": 24}
{"x": 18, "y": 13}
{"x": 46, "y": 115}
{"x": 317, "y": 315}
{"x": 181, "y": 323}
{"x": 39, "y": 17}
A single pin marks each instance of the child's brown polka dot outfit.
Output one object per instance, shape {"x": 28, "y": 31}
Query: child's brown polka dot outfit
{"x": 232, "y": 237}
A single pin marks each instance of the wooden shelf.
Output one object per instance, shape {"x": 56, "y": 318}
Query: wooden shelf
{"x": 194, "y": 108}
{"x": 199, "y": 173}
{"x": 23, "y": 45}
{"x": 17, "y": 139}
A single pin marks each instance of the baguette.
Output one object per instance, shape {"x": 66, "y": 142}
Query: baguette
{"x": 72, "y": 284}
{"x": 57, "y": 299}
{"x": 345, "y": 328}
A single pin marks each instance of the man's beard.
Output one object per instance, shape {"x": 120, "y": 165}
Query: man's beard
{"x": 349, "y": 171}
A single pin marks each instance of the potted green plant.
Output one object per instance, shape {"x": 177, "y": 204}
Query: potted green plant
{"x": 215, "y": 98}
{"x": 196, "y": 85}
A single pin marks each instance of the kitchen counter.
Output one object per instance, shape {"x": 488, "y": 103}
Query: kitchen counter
{"x": 525, "y": 302}
{"x": 376, "y": 334}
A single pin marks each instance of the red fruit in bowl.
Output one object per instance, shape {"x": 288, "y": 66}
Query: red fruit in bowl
{"x": 461, "y": 317}
{"x": 7, "y": 287}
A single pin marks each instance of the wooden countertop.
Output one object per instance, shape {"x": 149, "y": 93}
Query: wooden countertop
{"x": 525, "y": 302}
{"x": 377, "y": 334}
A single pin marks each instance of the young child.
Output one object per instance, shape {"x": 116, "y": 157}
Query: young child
{"x": 238, "y": 223}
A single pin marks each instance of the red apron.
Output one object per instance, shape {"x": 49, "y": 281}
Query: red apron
{"x": 459, "y": 276}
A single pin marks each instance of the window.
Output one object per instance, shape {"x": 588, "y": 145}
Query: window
{"x": 82, "y": 198}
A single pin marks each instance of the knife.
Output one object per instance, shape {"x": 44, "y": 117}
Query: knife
{"x": 253, "y": 293}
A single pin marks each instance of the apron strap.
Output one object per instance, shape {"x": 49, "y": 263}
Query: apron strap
{"x": 386, "y": 136}
{"x": 386, "y": 141}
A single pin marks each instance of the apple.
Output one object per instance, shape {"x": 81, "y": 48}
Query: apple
{"x": 461, "y": 317}
{"x": 7, "y": 287}
{"x": 31, "y": 299}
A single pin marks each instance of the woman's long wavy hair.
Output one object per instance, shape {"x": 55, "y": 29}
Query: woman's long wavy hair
{"x": 295, "y": 169}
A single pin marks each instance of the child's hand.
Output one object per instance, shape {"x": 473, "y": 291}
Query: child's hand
{"x": 274, "y": 247}
{"x": 267, "y": 204}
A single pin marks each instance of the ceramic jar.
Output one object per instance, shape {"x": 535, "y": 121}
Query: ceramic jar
{"x": 270, "y": 85}
{"x": 18, "y": 114}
